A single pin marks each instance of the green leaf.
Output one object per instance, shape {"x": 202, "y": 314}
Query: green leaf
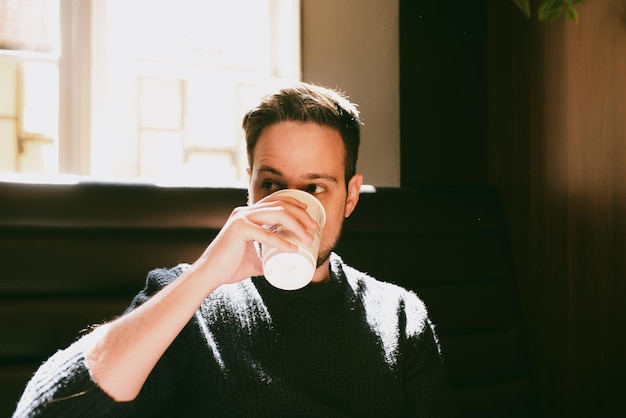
{"x": 571, "y": 13}
{"x": 549, "y": 10}
{"x": 524, "y": 6}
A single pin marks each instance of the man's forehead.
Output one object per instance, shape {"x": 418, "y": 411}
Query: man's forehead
{"x": 306, "y": 150}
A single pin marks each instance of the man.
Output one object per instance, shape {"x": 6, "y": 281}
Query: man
{"x": 214, "y": 338}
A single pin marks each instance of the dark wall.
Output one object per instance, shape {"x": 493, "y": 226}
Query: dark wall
{"x": 538, "y": 111}
{"x": 443, "y": 93}
{"x": 557, "y": 124}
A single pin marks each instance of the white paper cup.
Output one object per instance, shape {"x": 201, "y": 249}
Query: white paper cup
{"x": 291, "y": 271}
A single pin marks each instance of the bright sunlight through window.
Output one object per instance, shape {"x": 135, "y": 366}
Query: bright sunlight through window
{"x": 139, "y": 89}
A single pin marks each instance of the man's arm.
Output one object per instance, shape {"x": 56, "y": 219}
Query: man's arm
{"x": 124, "y": 352}
{"x": 121, "y": 354}
{"x": 427, "y": 391}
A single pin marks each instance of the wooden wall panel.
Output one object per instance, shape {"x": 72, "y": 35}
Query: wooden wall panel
{"x": 557, "y": 151}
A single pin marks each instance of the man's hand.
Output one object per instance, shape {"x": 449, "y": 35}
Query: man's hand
{"x": 232, "y": 256}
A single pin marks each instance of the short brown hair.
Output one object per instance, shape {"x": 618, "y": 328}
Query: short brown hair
{"x": 306, "y": 102}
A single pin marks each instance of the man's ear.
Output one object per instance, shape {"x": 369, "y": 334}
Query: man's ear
{"x": 354, "y": 189}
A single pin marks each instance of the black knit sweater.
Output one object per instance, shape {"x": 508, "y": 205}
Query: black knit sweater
{"x": 350, "y": 347}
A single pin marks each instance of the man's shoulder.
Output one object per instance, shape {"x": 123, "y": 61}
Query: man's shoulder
{"x": 365, "y": 283}
{"x": 162, "y": 276}
{"x": 386, "y": 300}
{"x": 235, "y": 293}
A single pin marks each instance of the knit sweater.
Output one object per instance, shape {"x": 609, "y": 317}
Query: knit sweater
{"x": 350, "y": 347}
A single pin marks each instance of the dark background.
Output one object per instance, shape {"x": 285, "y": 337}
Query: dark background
{"x": 538, "y": 111}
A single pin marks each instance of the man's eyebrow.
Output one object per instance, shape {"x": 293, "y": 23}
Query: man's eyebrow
{"x": 309, "y": 176}
{"x": 315, "y": 176}
{"x": 271, "y": 170}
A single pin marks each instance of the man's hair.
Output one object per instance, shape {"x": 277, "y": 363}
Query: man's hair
{"x": 306, "y": 102}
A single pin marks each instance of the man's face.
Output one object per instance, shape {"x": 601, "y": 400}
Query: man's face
{"x": 309, "y": 157}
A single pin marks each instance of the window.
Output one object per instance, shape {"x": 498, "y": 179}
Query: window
{"x": 29, "y": 51}
{"x": 151, "y": 89}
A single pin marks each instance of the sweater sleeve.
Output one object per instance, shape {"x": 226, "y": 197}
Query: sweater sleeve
{"x": 63, "y": 387}
{"x": 426, "y": 391}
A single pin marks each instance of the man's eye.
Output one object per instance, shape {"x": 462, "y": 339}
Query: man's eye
{"x": 270, "y": 185}
{"x": 315, "y": 188}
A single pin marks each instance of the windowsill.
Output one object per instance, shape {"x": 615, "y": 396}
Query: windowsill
{"x": 77, "y": 179}
{"x": 18, "y": 56}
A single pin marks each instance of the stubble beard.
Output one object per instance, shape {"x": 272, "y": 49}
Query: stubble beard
{"x": 324, "y": 252}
